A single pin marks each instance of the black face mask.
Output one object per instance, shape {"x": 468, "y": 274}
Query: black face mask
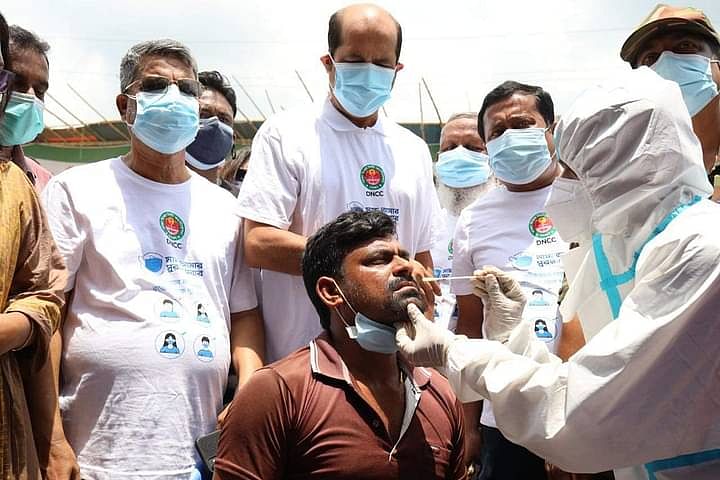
{"x": 211, "y": 145}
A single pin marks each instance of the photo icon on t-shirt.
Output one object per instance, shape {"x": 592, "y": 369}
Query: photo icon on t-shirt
{"x": 170, "y": 344}
{"x": 204, "y": 348}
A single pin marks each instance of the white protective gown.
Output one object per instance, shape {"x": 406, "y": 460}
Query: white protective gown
{"x": 643, "y": 395}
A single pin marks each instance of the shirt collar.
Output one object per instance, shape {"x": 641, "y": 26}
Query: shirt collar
{"x": 338, "y": 122}
{"x": 326, "y": 362}
{"x": 18, "y": 158}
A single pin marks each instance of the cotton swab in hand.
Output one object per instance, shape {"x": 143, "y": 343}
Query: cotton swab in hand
{"x": 440, "y": 279}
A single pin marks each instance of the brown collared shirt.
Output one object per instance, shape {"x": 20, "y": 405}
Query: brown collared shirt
{"x": 303, "y": 418}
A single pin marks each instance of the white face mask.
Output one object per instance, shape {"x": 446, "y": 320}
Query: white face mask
{"x": 570, "y": 209}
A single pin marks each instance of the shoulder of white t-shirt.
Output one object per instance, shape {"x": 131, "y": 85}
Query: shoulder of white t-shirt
{"x": 292, "y": 120}
{"x": 211, "y": 193}
{"x": 88, "y": 173}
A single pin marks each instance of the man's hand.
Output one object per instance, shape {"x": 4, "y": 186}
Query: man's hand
{"x": 62, "y": 463}
{"x": 421, "y": 341}
{"x": 429, "y": 289}
{"x": 503, "y": 299}
{"x": 223, "y": 415}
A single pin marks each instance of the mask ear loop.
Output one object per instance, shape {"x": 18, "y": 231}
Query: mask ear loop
{"x": 350, "y": 329}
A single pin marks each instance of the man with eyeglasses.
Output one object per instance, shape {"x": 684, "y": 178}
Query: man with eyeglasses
{"x": 310, "y": 165}
{"x": 136, "y": 234}
{"x": 214, "y": 141}
{"x": 680, "y": 44}
{"x": 32, "y": 277}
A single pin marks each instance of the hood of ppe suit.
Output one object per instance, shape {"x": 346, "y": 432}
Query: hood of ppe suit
{"x": 631, "y": 144}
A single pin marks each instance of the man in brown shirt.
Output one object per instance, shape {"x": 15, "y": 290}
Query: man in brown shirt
{"x": 348, "y": 406}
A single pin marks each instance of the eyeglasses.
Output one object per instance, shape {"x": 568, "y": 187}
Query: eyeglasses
{"x": 158, "y": 84}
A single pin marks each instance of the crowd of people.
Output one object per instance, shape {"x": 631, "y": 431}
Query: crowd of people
{"x": 187, "y": 310}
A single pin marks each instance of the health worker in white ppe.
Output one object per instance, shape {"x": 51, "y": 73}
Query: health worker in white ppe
{"x": 641, "y": 396}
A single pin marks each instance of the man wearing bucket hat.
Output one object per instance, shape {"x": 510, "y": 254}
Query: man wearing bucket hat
{"x": 681, "y": 45}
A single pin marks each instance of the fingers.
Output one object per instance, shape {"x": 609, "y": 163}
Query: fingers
{"x": 414, "y": 314}
{"x": 402, "y": 338}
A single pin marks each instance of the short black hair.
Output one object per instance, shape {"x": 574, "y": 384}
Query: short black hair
{"x": 508, "y": 89}
{"x": 327, "y": 248}
{"x": 537, "y": 291}
{"x": 23, "y": 40}
{"x": 167, "y": 301}
{"x": 216, "y": 81}
{"x": 335, "y": 35}
{"x": 205, "y": 339}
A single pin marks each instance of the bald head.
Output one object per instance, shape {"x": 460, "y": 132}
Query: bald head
{"x": 364, "y": 19}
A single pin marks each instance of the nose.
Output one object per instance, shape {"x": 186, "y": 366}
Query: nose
{"x": 402, "y": 267}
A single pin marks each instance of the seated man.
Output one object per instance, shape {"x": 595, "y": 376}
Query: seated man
{"x": 347, "y": 406}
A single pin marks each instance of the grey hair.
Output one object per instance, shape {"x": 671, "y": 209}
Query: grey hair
{"x": 130, "y": 65}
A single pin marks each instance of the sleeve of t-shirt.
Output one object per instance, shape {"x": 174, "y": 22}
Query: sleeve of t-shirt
{"x": 242, "y": 289}
{"x": 271, "y": 188}
{"x": 431, "y": 225}
{"x": 66, "y": 225}
{"x": 462, "y": 263}
{"x": 254, "y": 439}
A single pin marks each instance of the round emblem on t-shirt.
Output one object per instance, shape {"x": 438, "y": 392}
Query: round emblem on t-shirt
{"x": 204, "y": 348}
{"x": 541, "y": 226}
{"x": 355, "y": 207}
{"x": 542, "y": 331}
{"x": 172, "y": 225}
{"x": 170, "y": 344}
{"x": 153, "y": 262}
{"x": 169, "y": 310}
{"x": 372, "y": 177}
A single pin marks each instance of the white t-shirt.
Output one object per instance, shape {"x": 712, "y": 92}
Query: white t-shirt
{"x": 156, "y": 270}
{"x": 309, "y": 166}
{"x": 442, "y": 254}
{"x": 511, "y": 231}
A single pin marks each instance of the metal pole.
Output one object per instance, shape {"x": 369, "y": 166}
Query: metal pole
{"x": 249, "y": 97}
{"x": 267, "y": 95}
{"x": 65, "y": 123}
{"x": 108, "y": 122}
{"x": 85, "y": 125}
{"x": 432, "y": 100}
{"x": 307, "y": 90}
{"x": 422, "y": 116}
{"x": 247, "y": 119}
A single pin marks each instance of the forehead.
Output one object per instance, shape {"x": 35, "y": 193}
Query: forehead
{"x": 460, "y": 127}
{"x": 211, "y": 99}
{"x": 384, "y": 243}
{"x": 358, "y": 33}
{"x": 515, "y": 105}
{"x": 170, "y": 67}
{"x": 29, "y": 60}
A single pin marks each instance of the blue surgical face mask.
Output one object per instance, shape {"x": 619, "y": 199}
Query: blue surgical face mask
{"x": 362, "y": 88}
{"x": 462, "y": 168}
{"x": 23, "y": 120}
{"x": 167, "y": 121}
{"x": 369, "y": 334}
{"x": 213, "y": 142}
{"x": 693, "y": 75}
{"x": 519, "y": 156}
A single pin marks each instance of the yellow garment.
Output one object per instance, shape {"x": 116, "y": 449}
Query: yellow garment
{"x": 32, "y": 279}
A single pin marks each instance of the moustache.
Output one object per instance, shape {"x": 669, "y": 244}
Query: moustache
{"x": 397, "y": 283}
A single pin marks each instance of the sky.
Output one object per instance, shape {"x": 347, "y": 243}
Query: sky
{"x": 461, "y": 48}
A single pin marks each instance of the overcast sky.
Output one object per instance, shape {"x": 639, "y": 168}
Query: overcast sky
{"x": 463, "y": 48}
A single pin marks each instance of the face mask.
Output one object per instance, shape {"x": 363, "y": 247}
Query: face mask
{"x": 570, "y": 209}
{"x": 369, "y": 334}
{"x": 362, "y": 88}
{"x": 462, "y": 168}
{"x": 519, "y": 156}
{"x": 693, "y": 75}
{"x": 23, "y": 120}
{"x": 211, "y": 145}
{"x": 167, "y": 122}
